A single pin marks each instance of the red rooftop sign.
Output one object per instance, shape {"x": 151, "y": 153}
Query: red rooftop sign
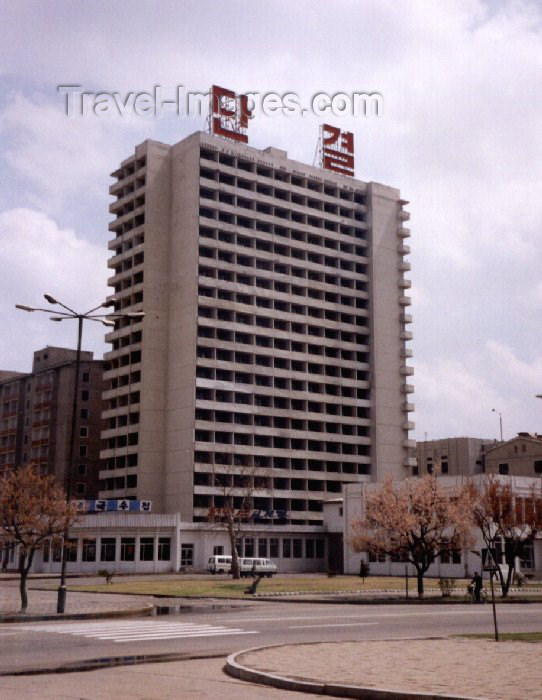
{"x": 337, "y": 150}
{"x": 229, "y": 114}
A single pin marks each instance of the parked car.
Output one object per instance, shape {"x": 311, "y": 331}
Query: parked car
{"x": 252, "y": 566}
{"x": 219, "y": 564}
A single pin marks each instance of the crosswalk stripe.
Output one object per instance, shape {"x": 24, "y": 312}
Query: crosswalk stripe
{"x": 139, "y": 630}
{"x": 148, "y": 633}
{"x": 180, "y": 635}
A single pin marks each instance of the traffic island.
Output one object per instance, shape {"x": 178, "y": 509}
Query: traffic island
{"x": 440, "y": 668}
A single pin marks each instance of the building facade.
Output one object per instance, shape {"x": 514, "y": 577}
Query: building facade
{"x": 520, "y": 456}
{"x": 275, "y": 334}
{"x": 36, "y": 414}
{"x": 460, "y": 456}
{"x": 339, "y": 515}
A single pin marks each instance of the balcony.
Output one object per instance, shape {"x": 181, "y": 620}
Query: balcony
{"x": 407, "y": 371}
{"x": 405, "y": 301}
{"x": 404, "y": 266}
{"x": 407, "y": 389}
{"x": 406, "y": 335}
{"x": 403, "y": 232}
{"x": 404, "y": 284}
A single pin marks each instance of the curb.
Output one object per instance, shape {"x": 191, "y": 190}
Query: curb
{"x": 110, "y": 662}
{"x": 25, "y": 617}
{"x": 237, "y": 670}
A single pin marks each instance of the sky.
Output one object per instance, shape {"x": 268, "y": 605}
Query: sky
{"x": 459, "y": 134}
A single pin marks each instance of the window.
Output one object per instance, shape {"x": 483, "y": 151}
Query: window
{"x": 526, "y": 559}
{"x": 164, "y": 548}
{"x": 127, "y": 549}
{"x": 274, "y": 548}
{"x": 83, "y": 431}
{"x": 81, "y": 469}
{"x": 108, "y": 549}
{"x": 57, "y": 551}
{"x": 187, "y": 555}
{"x": 218, "y": 550}
{"x": 86, "y": 376}
{"x": 298, "y": 548}
{"x": 249, "y": 546}
{"x": 503, "y": 468}
{"x": 82, "y": 450}
{"x": 80, "y": 488}
{"x": 309, "y": 549}
{"x": 71, "y": 550}
{"x": 320, "y": 548}
{"x": 262, "y": 547}
{"x": 146, "y": 549}
{"x": 46, "y": 548}
{"x": 445, "y": 556}
{"x": 89, "y": 550}
{"x": 84, "y": 413}
{"x": 84, "y": 395}
{"x": 286, "y": 548}
{"x": 538, "y": 466}
{"x": 456, "y": 556}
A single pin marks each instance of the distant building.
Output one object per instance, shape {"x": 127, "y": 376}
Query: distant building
{"x": 451, "y": 456}
{"x": 36, "y": 414}
{"x": 520, "y": 456}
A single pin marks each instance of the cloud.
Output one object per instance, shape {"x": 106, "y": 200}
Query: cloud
{"x": 38, "y": 257}
{"x": 455, "y": 395}
{"x": 460, "y": 136}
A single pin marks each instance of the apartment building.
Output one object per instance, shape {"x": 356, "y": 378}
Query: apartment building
{"x": 36, "y": 414}
{"x": 274, "y": 342}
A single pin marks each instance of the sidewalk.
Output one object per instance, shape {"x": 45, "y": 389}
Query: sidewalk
{"x": 403, "y": 670}
{"x": 42, "y": 603}
{"x": 443, "y": 668}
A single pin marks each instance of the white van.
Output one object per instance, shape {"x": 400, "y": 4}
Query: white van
{"x": 219, "y": 564}
{"x": 252, "y": 566}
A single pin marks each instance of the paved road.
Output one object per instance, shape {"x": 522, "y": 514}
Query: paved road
{"x": 41, "y": 645}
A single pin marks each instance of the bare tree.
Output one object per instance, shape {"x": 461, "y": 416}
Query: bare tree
{"x": 234, "y": 513}
{"x": 508, "y": 521}
{"x": 416, "y": 520}
{"x": 33, "y": 512}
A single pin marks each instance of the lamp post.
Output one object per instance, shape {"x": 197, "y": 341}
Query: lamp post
{"x": 87, "y": 316}
{"x": 494, "y": 410}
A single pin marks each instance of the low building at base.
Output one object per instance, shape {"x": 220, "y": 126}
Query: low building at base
{"x": 144, "y": 543}
{"x": 339, "y": 513}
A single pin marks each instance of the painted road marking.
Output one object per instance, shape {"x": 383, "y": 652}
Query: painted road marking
{"x": 138, "y": 631}
{"x": 331, "y": 624}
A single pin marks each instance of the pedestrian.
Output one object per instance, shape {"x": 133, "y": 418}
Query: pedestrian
{"x": 478, "y": 585}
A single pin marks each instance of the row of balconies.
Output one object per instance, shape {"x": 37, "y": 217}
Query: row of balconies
{"x": 298, "y": 183}
{"x": 251, "y": 197}
{"x": 238, "y": 219}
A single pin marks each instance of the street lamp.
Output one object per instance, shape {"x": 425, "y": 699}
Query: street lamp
{"x": 494, "y": 410}
{"x": 88, "y": 316}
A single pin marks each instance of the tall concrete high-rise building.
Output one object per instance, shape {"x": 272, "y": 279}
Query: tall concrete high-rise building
{"x": 275, "y": 333}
